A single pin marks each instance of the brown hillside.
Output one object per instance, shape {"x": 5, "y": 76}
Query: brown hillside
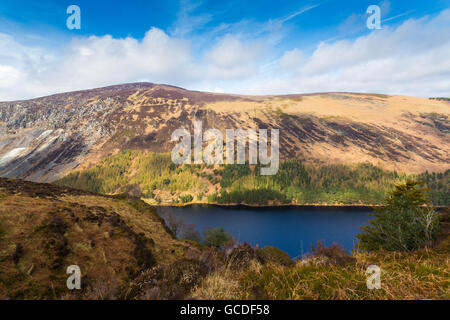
{"x": 44, "y": 229}
{"x": 43, "y": 139}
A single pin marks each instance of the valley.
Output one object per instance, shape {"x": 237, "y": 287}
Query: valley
{"x": 335, "y": 148}
{"x": 82, "y": 173}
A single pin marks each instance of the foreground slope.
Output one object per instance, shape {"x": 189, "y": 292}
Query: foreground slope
{"x": 44, "y": 229}
{"x": 44, "y": 139}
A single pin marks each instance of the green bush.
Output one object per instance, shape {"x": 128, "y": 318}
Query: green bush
{"x": 216, "y": 237}
{"x": 212, "y": 198}
{"x": 404, "y": 223}
{"x": 187, "y": 198}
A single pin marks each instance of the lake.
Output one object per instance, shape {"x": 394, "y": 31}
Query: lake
{"x": 292, "y": 229}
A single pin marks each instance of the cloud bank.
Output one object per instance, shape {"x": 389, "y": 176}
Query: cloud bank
{"x": 411, "y": 59}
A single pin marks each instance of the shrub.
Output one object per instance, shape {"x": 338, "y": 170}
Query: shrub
{"x": 334, "y": 254}
{"x": 172, "y": 281}
{"x": 240, "y": 257}
{"x": 148, "y": 195}
{"x": 185, "y": 273}
{"x": 188, "y": 232}
{"x": 101, "y": 290}
{"x": 212, "y": 197}
{"x": 216, "y": 237}
{"x": 174, "y": 224}
{"x": 186, "y": 198}
{"x": 404, "y": 223}
{"x": 179, "y": 229}
{"x": 272, "y": 254}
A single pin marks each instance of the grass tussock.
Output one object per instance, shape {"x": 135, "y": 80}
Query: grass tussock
{"x": 423, "y": 274}
{"x": 218, "y": 286}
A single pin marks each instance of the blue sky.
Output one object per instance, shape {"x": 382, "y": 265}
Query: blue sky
{"x": 254, "y": 47}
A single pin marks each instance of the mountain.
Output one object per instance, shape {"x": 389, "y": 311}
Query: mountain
{"x": 46, "y": 138}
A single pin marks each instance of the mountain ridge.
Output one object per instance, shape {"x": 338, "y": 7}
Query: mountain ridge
{"x": 145, "y": 84}
{"x": 45, "y": 138}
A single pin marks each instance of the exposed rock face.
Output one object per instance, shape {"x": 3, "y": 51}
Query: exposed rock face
{"x": 45, "y": 138}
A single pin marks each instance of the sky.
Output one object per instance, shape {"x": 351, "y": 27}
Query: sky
{"x": 245, "y": 46}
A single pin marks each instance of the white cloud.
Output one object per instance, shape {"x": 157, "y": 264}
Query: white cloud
{"x": 91, "y": 62}
{"x": 105, "y": 60}
{"x": 9, "y": 76}
{"x": 291, "y": 59}
{"x": 231, "y": 58}
{"x": 411, "y": 59}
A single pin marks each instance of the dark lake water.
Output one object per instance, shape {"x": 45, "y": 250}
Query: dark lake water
{"x": 291, "y": 229}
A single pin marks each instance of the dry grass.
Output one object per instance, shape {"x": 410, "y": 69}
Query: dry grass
{"x": 224, "y": 283}
{"x": 218, "y": 286}
{"x": 87, "y": 237}
{"x": 423, "y": 274}
{"x": 332, "y": 274}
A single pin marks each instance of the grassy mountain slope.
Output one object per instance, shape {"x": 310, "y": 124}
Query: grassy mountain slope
{"x": 46, "y": 138}
{"x": 44, "y": 229}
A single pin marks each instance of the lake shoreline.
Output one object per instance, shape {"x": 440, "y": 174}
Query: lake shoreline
{"x": 280, "y": 206}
